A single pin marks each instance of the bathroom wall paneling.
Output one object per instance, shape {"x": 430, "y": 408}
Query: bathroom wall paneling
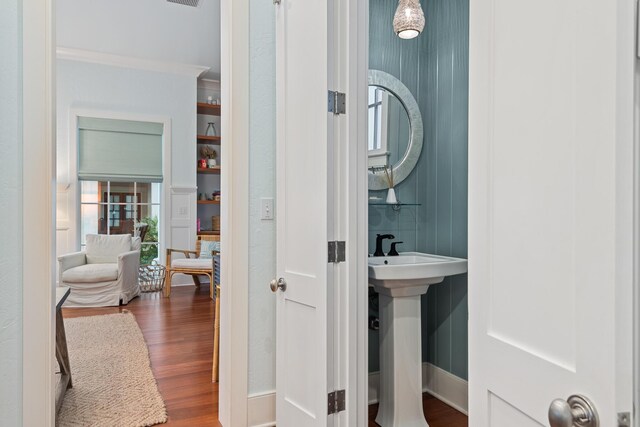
{"x": 434, "y": 66}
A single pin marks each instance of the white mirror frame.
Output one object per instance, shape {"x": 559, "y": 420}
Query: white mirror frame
{"x": 402, "y": 169}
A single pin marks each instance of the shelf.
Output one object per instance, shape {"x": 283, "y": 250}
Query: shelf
{"x": 394, "y": 204}
{"x": 208, "y": 202}
{"x": 205, "y": 139}
{"x": 208, "y": 109}
{"x": 208, "y": 233}
{"x": 215, "y": 170}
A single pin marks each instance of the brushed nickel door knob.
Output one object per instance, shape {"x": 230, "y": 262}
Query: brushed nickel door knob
{"x": 576, "y": 411}
{"x": 276, "y": 284}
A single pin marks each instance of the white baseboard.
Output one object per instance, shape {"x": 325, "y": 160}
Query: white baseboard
{"x": 261, "y": 409}
{"x": 439, "y": 383}
{"x": 444, "y": 386}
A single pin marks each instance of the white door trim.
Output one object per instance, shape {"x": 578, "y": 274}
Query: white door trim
{"x": 234, "y": 209}
{"x": 38, "y": 204}
{"x": 357, "y": 294}
{"x": 636, "y": 233}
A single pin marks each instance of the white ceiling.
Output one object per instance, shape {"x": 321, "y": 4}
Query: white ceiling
{"x": 149, "y": 29}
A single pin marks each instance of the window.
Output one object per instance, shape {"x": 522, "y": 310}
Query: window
{"x": 377, "y": 126}
{"x": 108, "y": 207}
{"x": 120, "y": 171}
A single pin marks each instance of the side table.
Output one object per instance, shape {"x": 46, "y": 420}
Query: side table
{"x": 62, "y": 354}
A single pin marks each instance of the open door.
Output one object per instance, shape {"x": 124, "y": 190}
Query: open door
{"x": 551, "y": 215}
{"x": 303, "y": 148}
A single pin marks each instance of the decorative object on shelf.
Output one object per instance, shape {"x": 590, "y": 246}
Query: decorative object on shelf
{"x": 198, "y": 225}
{"x": 201, "y": 196}
{"x": 209, "y": 99}
{"x": 210, "y": 154}
{"x": 215, "y": 223}
{"x": 202, "y": 163}
{"x": 211, "y": 129}
{"x": 408, "y": 21}
{"x": 391, "y": 193}
{"x": 391, "y": 197}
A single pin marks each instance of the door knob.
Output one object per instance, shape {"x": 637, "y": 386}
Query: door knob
{"x": 276, "y": 284}
{"x": 576, "y": 411}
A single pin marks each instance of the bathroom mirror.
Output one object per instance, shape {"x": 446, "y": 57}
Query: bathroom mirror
{"x": 395, "y": 129}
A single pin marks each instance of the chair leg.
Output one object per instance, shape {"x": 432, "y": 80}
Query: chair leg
{"x": 196, "y": 280}
{"x": 210, "y": 286}
{"x": 167, "y": 284}
{"x": 216, "y": 337}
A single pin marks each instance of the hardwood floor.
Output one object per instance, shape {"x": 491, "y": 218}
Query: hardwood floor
{"x": 179, "y": 334}
{"x": 437, "y": 413}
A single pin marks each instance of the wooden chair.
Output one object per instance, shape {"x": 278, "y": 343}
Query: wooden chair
{"x": 216, "y": 338}
{"x": 140, "y": 230}
{"x": 192, "y": 265}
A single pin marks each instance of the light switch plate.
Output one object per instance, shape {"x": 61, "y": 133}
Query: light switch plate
{"x": 266, "y": 208}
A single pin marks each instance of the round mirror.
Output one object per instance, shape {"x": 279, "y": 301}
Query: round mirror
{"x": 395, "y": 130}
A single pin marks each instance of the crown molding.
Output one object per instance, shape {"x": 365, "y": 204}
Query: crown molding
{"x": 93, "y": 57}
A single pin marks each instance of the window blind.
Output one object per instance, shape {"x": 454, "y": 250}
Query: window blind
{"x": 119, "y": 150}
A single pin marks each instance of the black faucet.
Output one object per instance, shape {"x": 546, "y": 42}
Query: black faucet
{"x": 393, "y": 251}
{"x": 379, "y": 239}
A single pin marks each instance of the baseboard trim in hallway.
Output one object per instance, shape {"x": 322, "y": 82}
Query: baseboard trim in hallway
{"x": 261, "y": 409}
{"x": 442, "y": 385}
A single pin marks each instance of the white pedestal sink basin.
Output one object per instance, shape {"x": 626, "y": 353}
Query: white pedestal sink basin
{"x": 400, "y": 280}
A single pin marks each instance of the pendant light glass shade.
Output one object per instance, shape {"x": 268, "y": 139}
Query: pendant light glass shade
{"x": 408, "y": 22}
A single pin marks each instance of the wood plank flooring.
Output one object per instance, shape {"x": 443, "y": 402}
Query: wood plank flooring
{"x": 437, "y": 413}
{"x": 179, "y": 333}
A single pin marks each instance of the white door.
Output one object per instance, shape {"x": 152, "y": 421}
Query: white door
{"x": 302, "y": 207}
{"x": 550, "y": 208}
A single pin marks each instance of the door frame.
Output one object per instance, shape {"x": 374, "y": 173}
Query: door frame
{"x": 356, "y": 58}
{"x": 39, "y": 177}
{"x": 234, "y": 212}
{"x": 38, "y": 204}
{"x": 628, "y": 337}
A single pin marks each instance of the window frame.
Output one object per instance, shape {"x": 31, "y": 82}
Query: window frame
{"x": 378, "y": 157}
{"x": 106, "y": 205}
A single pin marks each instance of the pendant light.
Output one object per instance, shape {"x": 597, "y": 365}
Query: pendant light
{"x": 408, "y": 22}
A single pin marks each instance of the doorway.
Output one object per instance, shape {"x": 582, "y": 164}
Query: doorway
{"x": 418, "y": 194}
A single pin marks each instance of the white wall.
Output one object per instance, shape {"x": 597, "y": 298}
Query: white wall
{"x": 150, "y": 29}
{"x": 10, "y": 214}
{"x": 83, "y": 85}
{"x": 262, "y": 250}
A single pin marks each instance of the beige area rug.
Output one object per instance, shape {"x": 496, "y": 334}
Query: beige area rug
{"x": 112, "y": 380}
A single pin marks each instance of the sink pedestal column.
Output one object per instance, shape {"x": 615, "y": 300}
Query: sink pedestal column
{"x": 400, "y": 362}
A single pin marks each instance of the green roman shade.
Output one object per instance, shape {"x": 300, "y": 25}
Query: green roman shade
{"x": 119, "y": 150}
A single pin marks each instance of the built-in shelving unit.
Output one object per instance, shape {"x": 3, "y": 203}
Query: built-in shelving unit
{"x": 215, "y": 170}
{"x": 209, "y": 109}
{"x": 205, "y": 184}
{"x": 206, "y": 139}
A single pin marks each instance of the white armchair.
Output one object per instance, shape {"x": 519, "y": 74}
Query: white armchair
{"x": 105, "y": 274}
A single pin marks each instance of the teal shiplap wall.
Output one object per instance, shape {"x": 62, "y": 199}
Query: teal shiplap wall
{"x": 435, "y": 68}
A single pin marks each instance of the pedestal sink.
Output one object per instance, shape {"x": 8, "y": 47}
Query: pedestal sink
{"x": 400, "y": 280}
